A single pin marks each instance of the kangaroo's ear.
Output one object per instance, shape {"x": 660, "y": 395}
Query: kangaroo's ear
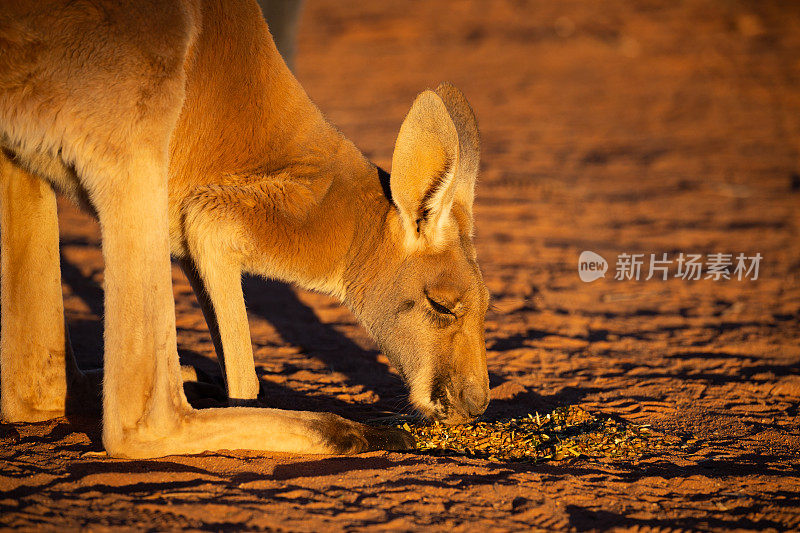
{"x": 424, "y": 170}
{"x": 469, "y": 143}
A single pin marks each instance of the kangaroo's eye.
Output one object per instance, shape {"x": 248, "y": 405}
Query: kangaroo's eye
{"x": 439, "y": 307}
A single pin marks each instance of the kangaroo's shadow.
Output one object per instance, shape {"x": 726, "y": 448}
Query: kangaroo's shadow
{"x": 209, "y": 392}
{"x": 299, "y": 325}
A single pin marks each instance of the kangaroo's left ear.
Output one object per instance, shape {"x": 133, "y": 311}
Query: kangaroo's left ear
{"x": 428, "y": 167}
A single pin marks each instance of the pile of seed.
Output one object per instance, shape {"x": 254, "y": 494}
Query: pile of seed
{"x": 564, "y": 433}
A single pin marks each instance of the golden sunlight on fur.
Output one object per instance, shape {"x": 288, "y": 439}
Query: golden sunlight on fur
{"x": 180, "y": 127}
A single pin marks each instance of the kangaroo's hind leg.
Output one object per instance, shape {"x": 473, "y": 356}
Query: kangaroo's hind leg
{"x": 36, "y": 361}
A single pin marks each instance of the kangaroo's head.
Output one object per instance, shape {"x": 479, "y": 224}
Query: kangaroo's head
{"x": 426, "y": 299}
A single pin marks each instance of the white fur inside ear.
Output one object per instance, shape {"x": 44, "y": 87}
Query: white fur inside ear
{"x": 432, "y": 227}
{"x": 438, "y": 208}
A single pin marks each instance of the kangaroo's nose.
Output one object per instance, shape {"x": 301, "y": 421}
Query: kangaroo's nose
{"x": 474, "y": 399}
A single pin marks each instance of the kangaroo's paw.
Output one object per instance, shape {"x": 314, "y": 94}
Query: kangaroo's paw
{"x": 200, "y": 387}
{"x": 189, "y": 373}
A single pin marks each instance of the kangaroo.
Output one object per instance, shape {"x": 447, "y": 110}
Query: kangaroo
{"x": 178, "y": 125}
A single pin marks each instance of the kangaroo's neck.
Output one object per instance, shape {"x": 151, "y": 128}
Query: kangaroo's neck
{"x": 327, "y": 210}
{"x": 347, "y": 230}
{"x": 309, "y": 206}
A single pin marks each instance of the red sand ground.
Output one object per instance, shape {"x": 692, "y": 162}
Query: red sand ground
{"x": 650, "y": 127}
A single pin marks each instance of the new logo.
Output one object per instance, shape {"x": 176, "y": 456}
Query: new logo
{"x": 591, "y": 266}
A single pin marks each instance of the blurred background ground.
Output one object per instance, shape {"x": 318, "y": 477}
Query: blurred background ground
{"x": 617, "y": 127}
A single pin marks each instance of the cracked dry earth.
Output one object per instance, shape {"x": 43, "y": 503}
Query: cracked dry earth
{"x": 617, "y": 127}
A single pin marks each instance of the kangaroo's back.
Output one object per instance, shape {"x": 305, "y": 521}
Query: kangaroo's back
{"x": 244, "y": 110}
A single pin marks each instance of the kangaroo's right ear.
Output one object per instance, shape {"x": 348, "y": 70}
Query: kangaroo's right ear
{"x": 469, "y": 143}
{"x": 424, "y": 170}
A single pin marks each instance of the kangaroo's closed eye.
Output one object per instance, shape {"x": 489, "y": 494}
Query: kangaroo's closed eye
{"x": 439, "y": 307}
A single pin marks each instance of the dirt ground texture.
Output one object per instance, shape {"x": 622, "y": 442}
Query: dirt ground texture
{"x": 616, "y": 127}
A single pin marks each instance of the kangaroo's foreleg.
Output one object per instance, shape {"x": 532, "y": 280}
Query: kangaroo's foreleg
{"x": 218, "y": 226}
{"x": 219, "y": 294}
{"x": 38, "y": 369}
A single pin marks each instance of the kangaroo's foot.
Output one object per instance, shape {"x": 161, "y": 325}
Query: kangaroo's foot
{"x": 275, "y": 430}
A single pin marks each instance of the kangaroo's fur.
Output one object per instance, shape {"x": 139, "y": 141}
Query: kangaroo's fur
{"x": 180, "y": 127}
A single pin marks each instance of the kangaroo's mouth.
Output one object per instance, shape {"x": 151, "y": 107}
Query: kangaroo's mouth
{"x": 444, "y": 413}
{"x": 433, "y": 393}
{"x": 440, "y": 404}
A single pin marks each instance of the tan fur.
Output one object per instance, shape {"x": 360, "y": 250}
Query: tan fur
{"x": 179, "y": 125}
